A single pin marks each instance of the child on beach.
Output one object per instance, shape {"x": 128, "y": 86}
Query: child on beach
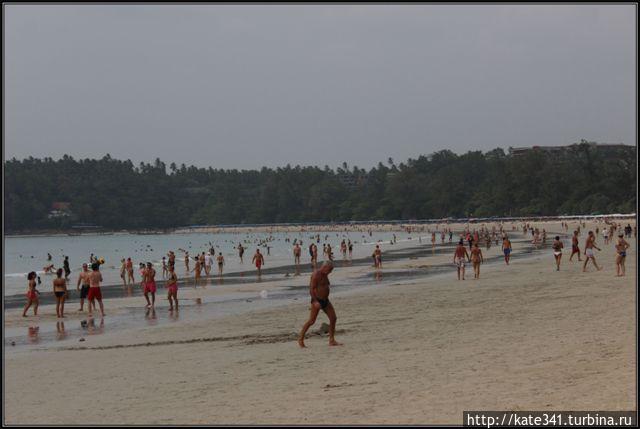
{"x": 32, "y": 294}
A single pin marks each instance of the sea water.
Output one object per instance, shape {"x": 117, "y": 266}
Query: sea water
{"x": 29, "y": 253}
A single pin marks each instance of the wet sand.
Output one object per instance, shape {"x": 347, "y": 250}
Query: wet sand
{"x": 416, "y": 350}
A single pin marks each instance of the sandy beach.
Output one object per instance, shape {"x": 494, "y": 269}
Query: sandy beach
{"x": 416, "y": 351}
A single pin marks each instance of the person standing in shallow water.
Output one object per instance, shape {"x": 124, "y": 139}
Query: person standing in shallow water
{"x": 258, "y": 259}
{"x": 67, "y": 269}
{"x": 83, "y": 280}
{"x": 60, "y": 292}
{"x": 220, "y": 259}
{"x": 150, "y": 284}
{"x": 172, "y": 288}
{"x": 240, "y": 251}
{"x": 319, "y": 291}
{"x": 297, "y": 252}
{"x": 94, "y": 289}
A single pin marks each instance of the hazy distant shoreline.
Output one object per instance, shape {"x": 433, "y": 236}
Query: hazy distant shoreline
{"x": 311, "y": 226}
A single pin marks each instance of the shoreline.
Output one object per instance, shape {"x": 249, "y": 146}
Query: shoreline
{"x": 239, "y": 278}
{"x": 316, "y": 226}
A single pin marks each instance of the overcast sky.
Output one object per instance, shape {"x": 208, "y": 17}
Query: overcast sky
{"x": 242, "y": 86}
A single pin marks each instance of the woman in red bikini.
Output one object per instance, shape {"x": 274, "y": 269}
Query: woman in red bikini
{"x": 32, "y": 294}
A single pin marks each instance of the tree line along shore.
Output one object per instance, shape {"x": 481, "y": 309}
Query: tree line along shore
{"x": 54, "y": 195}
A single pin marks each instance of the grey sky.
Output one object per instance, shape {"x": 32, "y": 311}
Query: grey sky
{"x": 242, "y": 86}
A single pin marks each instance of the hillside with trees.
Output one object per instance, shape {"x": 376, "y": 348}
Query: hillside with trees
{"x": 581, "y": 179}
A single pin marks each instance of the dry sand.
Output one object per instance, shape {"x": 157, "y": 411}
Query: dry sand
{"x": 523, "y": 337}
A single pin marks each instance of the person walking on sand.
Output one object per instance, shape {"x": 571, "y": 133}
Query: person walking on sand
{"x": 506, "y": 248}
{"x": 589, "y": 245}
{"x": 32, "y": 294}
{"x": 575, "y": 248}
{"x": 460, "y": 255}
{"x": 150, "y": 285}
{"x": 377, "y": 257}
{"x": 83, "y": 281}
{"x": 621, "y": 254}
{"x": 319, "y": 291}
{"x": 172, "y": 288}
{"x": 240, "y": 251}
{"x": 60, "y": 292}
{"x": 476, "y": 259}
{"x": 94, "y": 289}
{"x": 258, "y": 259}
{"x": 186, "y": 261}
{"x": 557, "y": 251}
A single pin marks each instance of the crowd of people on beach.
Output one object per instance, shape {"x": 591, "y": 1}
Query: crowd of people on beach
{"x": 89, "y": 280}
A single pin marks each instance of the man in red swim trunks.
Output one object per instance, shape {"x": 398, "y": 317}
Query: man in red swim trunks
{"x": 574, "y": 246}
{"x": 150, "y": 285}
{"x": 94, "y": 288}
{"x": 258, "y": 259}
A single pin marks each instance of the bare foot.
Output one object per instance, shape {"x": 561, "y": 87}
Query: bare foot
{"x": 301, "y": 343}
{"x": 24, "y": 315}
{"x": 334, "y": 343}
{"x": 600, "y": 269}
